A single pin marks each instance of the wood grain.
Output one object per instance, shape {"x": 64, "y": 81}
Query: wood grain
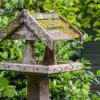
{"x": 44, "y": 16}
{"x": 43, "y": 69}
{"x": 11, "y": 26}
{"x": 59, "y": 35}
{"x": 50, "y": 56}
{"x": 23, "y": 32}
{"x": 38, "y": 30}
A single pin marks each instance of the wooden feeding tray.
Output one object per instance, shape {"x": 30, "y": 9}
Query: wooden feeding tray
{"x": 41, "y": 69}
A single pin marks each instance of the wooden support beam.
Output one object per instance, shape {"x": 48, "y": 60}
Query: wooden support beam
{"x": 49, "y": 59}
{"x": 33, "y": 87}
{"x": 37, "y": 84}
{"x": 29, "y": 57}
{"x": 38, "y": 87}
{"x": 50, "y": 56}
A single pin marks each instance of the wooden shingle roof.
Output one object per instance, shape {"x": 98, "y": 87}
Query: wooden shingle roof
{"x": 47, "y": 27}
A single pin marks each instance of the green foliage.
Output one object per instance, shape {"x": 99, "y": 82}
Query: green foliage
{"x": 82, "y": 13}
{"x": 9, "y": 51}
{"x": 72, "y": 85}
{"x": 6, "y": 90}
{"x": 98, "y": 73}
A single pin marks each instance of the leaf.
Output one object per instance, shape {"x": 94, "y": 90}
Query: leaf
{"x": 30, "y": 2}
{"x": 98, "y": 72}
{"x": 77, "y": 82}
{"x": 97, "y": 39}
{"x": 54, "y": 82}
{"x": 5, "y": 20}
{"x": 9, "y": 92}
{"x": 4, "y": 54}
{"x": 65, "y": 57}
{"x": 96, "y": 24}
{"x": 86, "y": 22}
{"x": 2, "y": 73}
{"x": 87, "y": 38}
{"x": 3, "y": 83}
{"x": 98, "y": 30}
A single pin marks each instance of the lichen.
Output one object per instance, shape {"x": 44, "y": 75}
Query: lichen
{"x": 58, "y": 25}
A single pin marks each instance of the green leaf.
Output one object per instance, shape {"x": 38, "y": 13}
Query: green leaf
{"x": 3, "y": 83}
{"x": 98, "y": 72}
{"x": 96, "y": 24}
{"x": 66, "y": 57}
{"x": 98, "y": 30}
{"x": 30, "y": 2}
{"x": 54, "y": 82}
{"x": 9, "y": 92}
{"x": 5, "y": 20}
{"x": 86, "y": 22}
{"x": 2, "y": 73}
{"x": 97, "y": 39}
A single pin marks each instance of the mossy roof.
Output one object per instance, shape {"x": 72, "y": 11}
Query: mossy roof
{"x": 47, "y": 27}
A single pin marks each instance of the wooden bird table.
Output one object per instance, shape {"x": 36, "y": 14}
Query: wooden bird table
{"x": 49, "y": 28}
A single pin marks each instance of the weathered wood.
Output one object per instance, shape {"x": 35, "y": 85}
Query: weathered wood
{"x": 33, "y": 87}
{"x": 38, "y": 30}
{"x": 59, "y": 35}
{"x": 50, "y": 56}
{"x": 64, "y": 67}
{"x": 38, "y": 84}
{"x": 47, "y": 35}
{"x": 29, "y": 53}
{"x": 60, "y": 28}
{"x": 11, "y": 26}
{"x": 40, "y": 16}
{"x": 26, "y": 26}
{"x": 29, "y": 58}
{"x": 43, "y": 69}
{"x": 44, "y": 88}
{"x": 73, "y": 27}
{"x": 23, "y": 32}
{"x": 51, "y": 23}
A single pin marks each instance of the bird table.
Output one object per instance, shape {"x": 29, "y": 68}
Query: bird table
{"x": 49, "y": 28}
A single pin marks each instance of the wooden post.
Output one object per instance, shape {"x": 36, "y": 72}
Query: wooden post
{"x": 49, "y": 59}
{"x": 50, "y": 56}
{"x": 37, "y": 84}
{"x": 38, "y": 87}
{"x": 29, "y": 57}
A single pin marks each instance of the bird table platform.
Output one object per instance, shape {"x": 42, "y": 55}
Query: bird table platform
{"x": 49, "y": 28}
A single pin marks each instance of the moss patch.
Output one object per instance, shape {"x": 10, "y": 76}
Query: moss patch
{"x": 58, "y": 24}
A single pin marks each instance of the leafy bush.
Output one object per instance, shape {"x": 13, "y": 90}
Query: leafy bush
{"x": 71, "y": 85}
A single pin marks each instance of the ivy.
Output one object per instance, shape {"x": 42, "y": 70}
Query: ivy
{"x": 72, "y": 85}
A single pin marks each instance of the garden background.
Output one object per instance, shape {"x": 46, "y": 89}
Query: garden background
{"x": 85, "y": 15}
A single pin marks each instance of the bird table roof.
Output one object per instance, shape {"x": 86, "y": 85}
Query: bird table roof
{"x": 56, "y": 26}
{"x": 47, "y": 27}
